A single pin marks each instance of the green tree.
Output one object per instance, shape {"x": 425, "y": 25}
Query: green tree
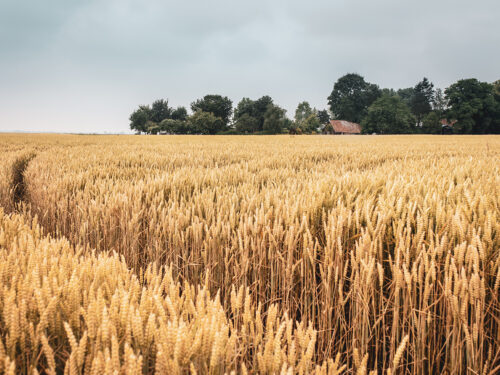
{"x": 152, "y": 127}
{"x": 439, "y": 105}
{"x": 351, "y": 97}
{"x": 293, "y": 128}
{"x": 323, "y": 116}
{"x": 253, "y": 108}
{"x": 139, "y": 118}
{"x": 474, "y": 105}
{"x": 422, "y": 99}
{"x": 202, "y": 122}
{"x": 306, "y": 118}
{"x": 244, "y": 107}
{"x": 246, "y": 124}
{"x": 388, "y": 92}
{"x": 310, "y": 124}
{"x": 180, "y": 113}
{"x": 173, "y": 126}
{"x": 274, "y": 120}
{"x": 287, "y": 123}
{"x": 160, "y": 110}
{"x": 496, "y": 87}
{"x": 431, "y": 123}
{"x": 219, "y": 106}
{"x": 388, "y": 115}
{"x": 406, "y": 95}
{"x": 302, "y": 112}
{"x": 260, "y": 108}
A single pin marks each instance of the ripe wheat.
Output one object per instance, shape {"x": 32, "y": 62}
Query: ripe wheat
{"x": 380, "y": 252}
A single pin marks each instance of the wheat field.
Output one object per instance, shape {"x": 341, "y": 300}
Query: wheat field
{"x": 249, "y": 254}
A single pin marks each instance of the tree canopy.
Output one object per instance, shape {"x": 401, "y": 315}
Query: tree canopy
{"x": 274, "y": 120}
{"x": 323, "y": 116}
{"x": 148, "y": 119}
{"x": 308, "y": 120}
{"x": 431, "y": 123}
{"x": 422, "y": 99}
{"x": 255, "y": 109}
{"x": 205, "y": 123}
{"x": 440, "y": 104}
{"x": 302, "y": 112}
{"x": 219, "y": 106}
{"x": 475, "y": 107}
{"x": 180, "y": 113}
{"x": 246, "y": 124}
{"x": 388, "y": 115}
{"x": 160, "y": 111}
{"x": 139, "y": 118}
{"x": 469, "y": 105}
{"x": 351, "y": 97}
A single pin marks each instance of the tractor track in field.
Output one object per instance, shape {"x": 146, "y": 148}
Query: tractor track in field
{"x": 18, "y": 183}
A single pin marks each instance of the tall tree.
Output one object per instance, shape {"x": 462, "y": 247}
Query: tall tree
{"x": 496, "y": 87}
{"x": 202, "y": 122}
{"x": 431, "y": 123}
{"x": 152, "y": 127}
{"x": 406, "y": 95}
{"x": 323, "y": 116}
{"x": 306, "y": 118}
{"x": 260, "y": 107}
{"x": 474, "y": 105}
{"x": 388, "y": 92}
{"x": 274, "y": 120}
{"x": 139, "y": 118}
{"x": 388, "y": 115}
{"x": 310, "y": 124}
{"x": 302, "y": 112}
{"x": 160, "y": 110}
{"x": 253, "y": 108}
{"x": 351, "y": 97}
{"x": 422, "y": 99}
{"x": 173, "y": 126}
{"x": 440, "y": 104}
{"x": 180, "y": 113}
{"x": 244, "y": 107}
{"x": 495, "y": 128}
{"x": 246, "y": 124}
{"x": 219, "y": 106}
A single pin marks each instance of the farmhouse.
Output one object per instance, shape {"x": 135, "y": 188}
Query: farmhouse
{"x": 447, "y": 126}
{"x": 342, "y": 127}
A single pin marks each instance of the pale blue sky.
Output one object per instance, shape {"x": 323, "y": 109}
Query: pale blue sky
{"x": 83, "y": 66}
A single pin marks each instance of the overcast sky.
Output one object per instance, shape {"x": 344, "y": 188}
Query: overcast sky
{"x": 83, "y": 66}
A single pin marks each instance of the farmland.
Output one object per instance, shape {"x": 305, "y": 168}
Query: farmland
{"x": 249, "y": 254}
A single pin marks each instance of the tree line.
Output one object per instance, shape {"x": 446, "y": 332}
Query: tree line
{"x": 469, "y": 106}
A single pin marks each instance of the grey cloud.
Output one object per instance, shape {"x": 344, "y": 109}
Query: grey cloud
{"x": 84, "y": 65}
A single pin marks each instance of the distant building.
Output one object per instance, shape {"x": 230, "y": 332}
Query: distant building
{"x": 447, "y": 126}
{"x": 342, "y": 127}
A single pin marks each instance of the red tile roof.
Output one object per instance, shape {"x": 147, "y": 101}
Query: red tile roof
{"x": 342, "y": 126}
{"x": 445, "y": 122}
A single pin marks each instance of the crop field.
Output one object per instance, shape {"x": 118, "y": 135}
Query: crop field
{"x": 249, "y": 254}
